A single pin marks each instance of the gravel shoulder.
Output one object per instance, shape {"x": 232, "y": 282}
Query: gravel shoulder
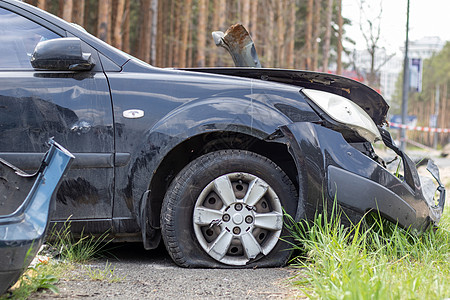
{"x": 153, "y": 275}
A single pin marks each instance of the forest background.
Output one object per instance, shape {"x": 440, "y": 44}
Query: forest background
{"x": 177, "y": 33}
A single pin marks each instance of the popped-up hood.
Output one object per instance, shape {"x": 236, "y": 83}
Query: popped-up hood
{"x": 238, "y": 42}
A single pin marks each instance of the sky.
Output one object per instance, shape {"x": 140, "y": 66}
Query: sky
{"x": 426, "y": 18}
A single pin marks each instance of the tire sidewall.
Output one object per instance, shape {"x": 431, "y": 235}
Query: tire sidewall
{"x": 177, "y": 216}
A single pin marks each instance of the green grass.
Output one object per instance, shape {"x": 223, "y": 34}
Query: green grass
{"x": 70, "y": 251}
{"x": 371, "y": 260}
{"x": 77, "y": 249}
{"x": 106, "y": 274}
{"x": 43, "y": 276}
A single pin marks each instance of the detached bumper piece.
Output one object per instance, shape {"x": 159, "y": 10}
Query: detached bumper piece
{"x": 335, "y": 169}
{"x": 25, "y": 204}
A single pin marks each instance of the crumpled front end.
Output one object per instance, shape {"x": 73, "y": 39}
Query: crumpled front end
{"x": 335, "y": 157}
{"x": 351, "y": 174}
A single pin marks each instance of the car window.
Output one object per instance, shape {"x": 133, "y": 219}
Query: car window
{"x": 18, "y": 38}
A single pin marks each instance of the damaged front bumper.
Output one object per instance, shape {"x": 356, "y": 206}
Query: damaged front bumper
{"x": 25, "y": 205}
{"x": 329, "y": 166}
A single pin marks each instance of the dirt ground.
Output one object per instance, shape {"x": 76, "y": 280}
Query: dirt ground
{"x": 152, "y": 275}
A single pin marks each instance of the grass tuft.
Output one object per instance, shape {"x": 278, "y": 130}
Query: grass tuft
{"x": 77, "y": 250}
{"x": 105, "y": 274}
{"x": 70, "y": 250}
{"x": 43, "y": 276}
{"x": 373, "y": 259}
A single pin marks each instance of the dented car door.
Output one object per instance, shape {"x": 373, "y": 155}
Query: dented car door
{"x": 74, "y": 107}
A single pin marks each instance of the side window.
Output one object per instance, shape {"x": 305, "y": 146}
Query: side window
{"x": 18, "y": 38}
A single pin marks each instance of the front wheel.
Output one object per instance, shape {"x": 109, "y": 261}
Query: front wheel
{"x": 225, "y": 209}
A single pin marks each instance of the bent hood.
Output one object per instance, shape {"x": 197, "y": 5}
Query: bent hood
{"x": 367, "y": 98}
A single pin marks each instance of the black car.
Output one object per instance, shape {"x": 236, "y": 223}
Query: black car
{"x": 206, "y": 159}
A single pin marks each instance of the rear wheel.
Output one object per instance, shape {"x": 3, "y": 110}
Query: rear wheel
{"x": 225, "y": 210}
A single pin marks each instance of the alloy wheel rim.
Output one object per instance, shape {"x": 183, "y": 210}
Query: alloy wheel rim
{"x": 237, "y": 217}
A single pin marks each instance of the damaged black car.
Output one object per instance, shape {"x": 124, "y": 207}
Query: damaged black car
{"x": 204, "y": 160}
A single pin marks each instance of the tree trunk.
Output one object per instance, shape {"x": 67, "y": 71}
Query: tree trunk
{"x": 104, "y": 20}
{"x": 308, "y": 34}
{"x": 78, "y": 12}
{"x": 445, "y": 121}
{"x": 189, "y": 59}
{"x": 185, "y": 32}
{"x": 245, "y": 14}
{"x": 215, "y": 27}
{"x": 159, "y": 36}
{"x": 153, "y": 29}
{"x": 253, "y": 26}
{"x": 316, "y": 34}
{"x": 166, "y": 32}
{"x": 88, "y": 6}
{"x": 280, "y": 35}
{"x": 327, "y": 38}
{"x": 145, "y": 30}
{"x": 67, "y": 10}
{"x": 31, "y": 2}
{"x": 119, "y": 21}
{"x": 270, "y": 35}
{"x": 41, "y": 4}
{"x": 223, "y": 15}
{"x": 171, "y": 33}
{"x": 176, "y": 37}
{"x": 61, "y": 6}
{"x": 339, "y": 44}
{"x": 201, "y": 33}
{"x": 373, "y": 78}
{"x": 126, "y": 28}
{"x": 222, "y": 26}
{"x": 291, "y": 35}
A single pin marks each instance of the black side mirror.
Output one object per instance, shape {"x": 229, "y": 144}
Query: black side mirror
{"x": 63, "y": 54}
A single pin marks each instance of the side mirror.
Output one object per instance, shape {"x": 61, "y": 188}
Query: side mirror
{"x": 63, "y": 54}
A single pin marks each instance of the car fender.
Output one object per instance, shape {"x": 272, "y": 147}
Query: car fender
{"x": 224, "y": 113}
{"x": 186, "y": 122}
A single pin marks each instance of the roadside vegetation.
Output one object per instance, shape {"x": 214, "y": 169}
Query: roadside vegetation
{"x": 44, "y": 275}
{"x": 106, "y": 274}
{"x": 76, "y": 249}
{"x": 62, "y": 256}
{"x": 373, "y": 259}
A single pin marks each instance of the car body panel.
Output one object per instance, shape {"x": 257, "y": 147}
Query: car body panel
{"x": 27, "y": 201}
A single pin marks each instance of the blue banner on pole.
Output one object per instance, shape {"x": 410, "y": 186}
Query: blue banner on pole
{"x": 415, "y": 75}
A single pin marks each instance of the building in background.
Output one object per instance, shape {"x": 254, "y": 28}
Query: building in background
{"x": 388, "y": 67}
{"x": 425, "y": 47}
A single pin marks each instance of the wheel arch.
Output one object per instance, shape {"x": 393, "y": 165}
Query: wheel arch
{"x": 204, "y": 143}
{"x": 234, "y": 123}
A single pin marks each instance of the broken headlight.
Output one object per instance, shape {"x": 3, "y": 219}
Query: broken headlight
{"x": 345, "y": 112}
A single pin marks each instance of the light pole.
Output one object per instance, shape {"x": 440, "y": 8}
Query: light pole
{"x": 405, "y": 86}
